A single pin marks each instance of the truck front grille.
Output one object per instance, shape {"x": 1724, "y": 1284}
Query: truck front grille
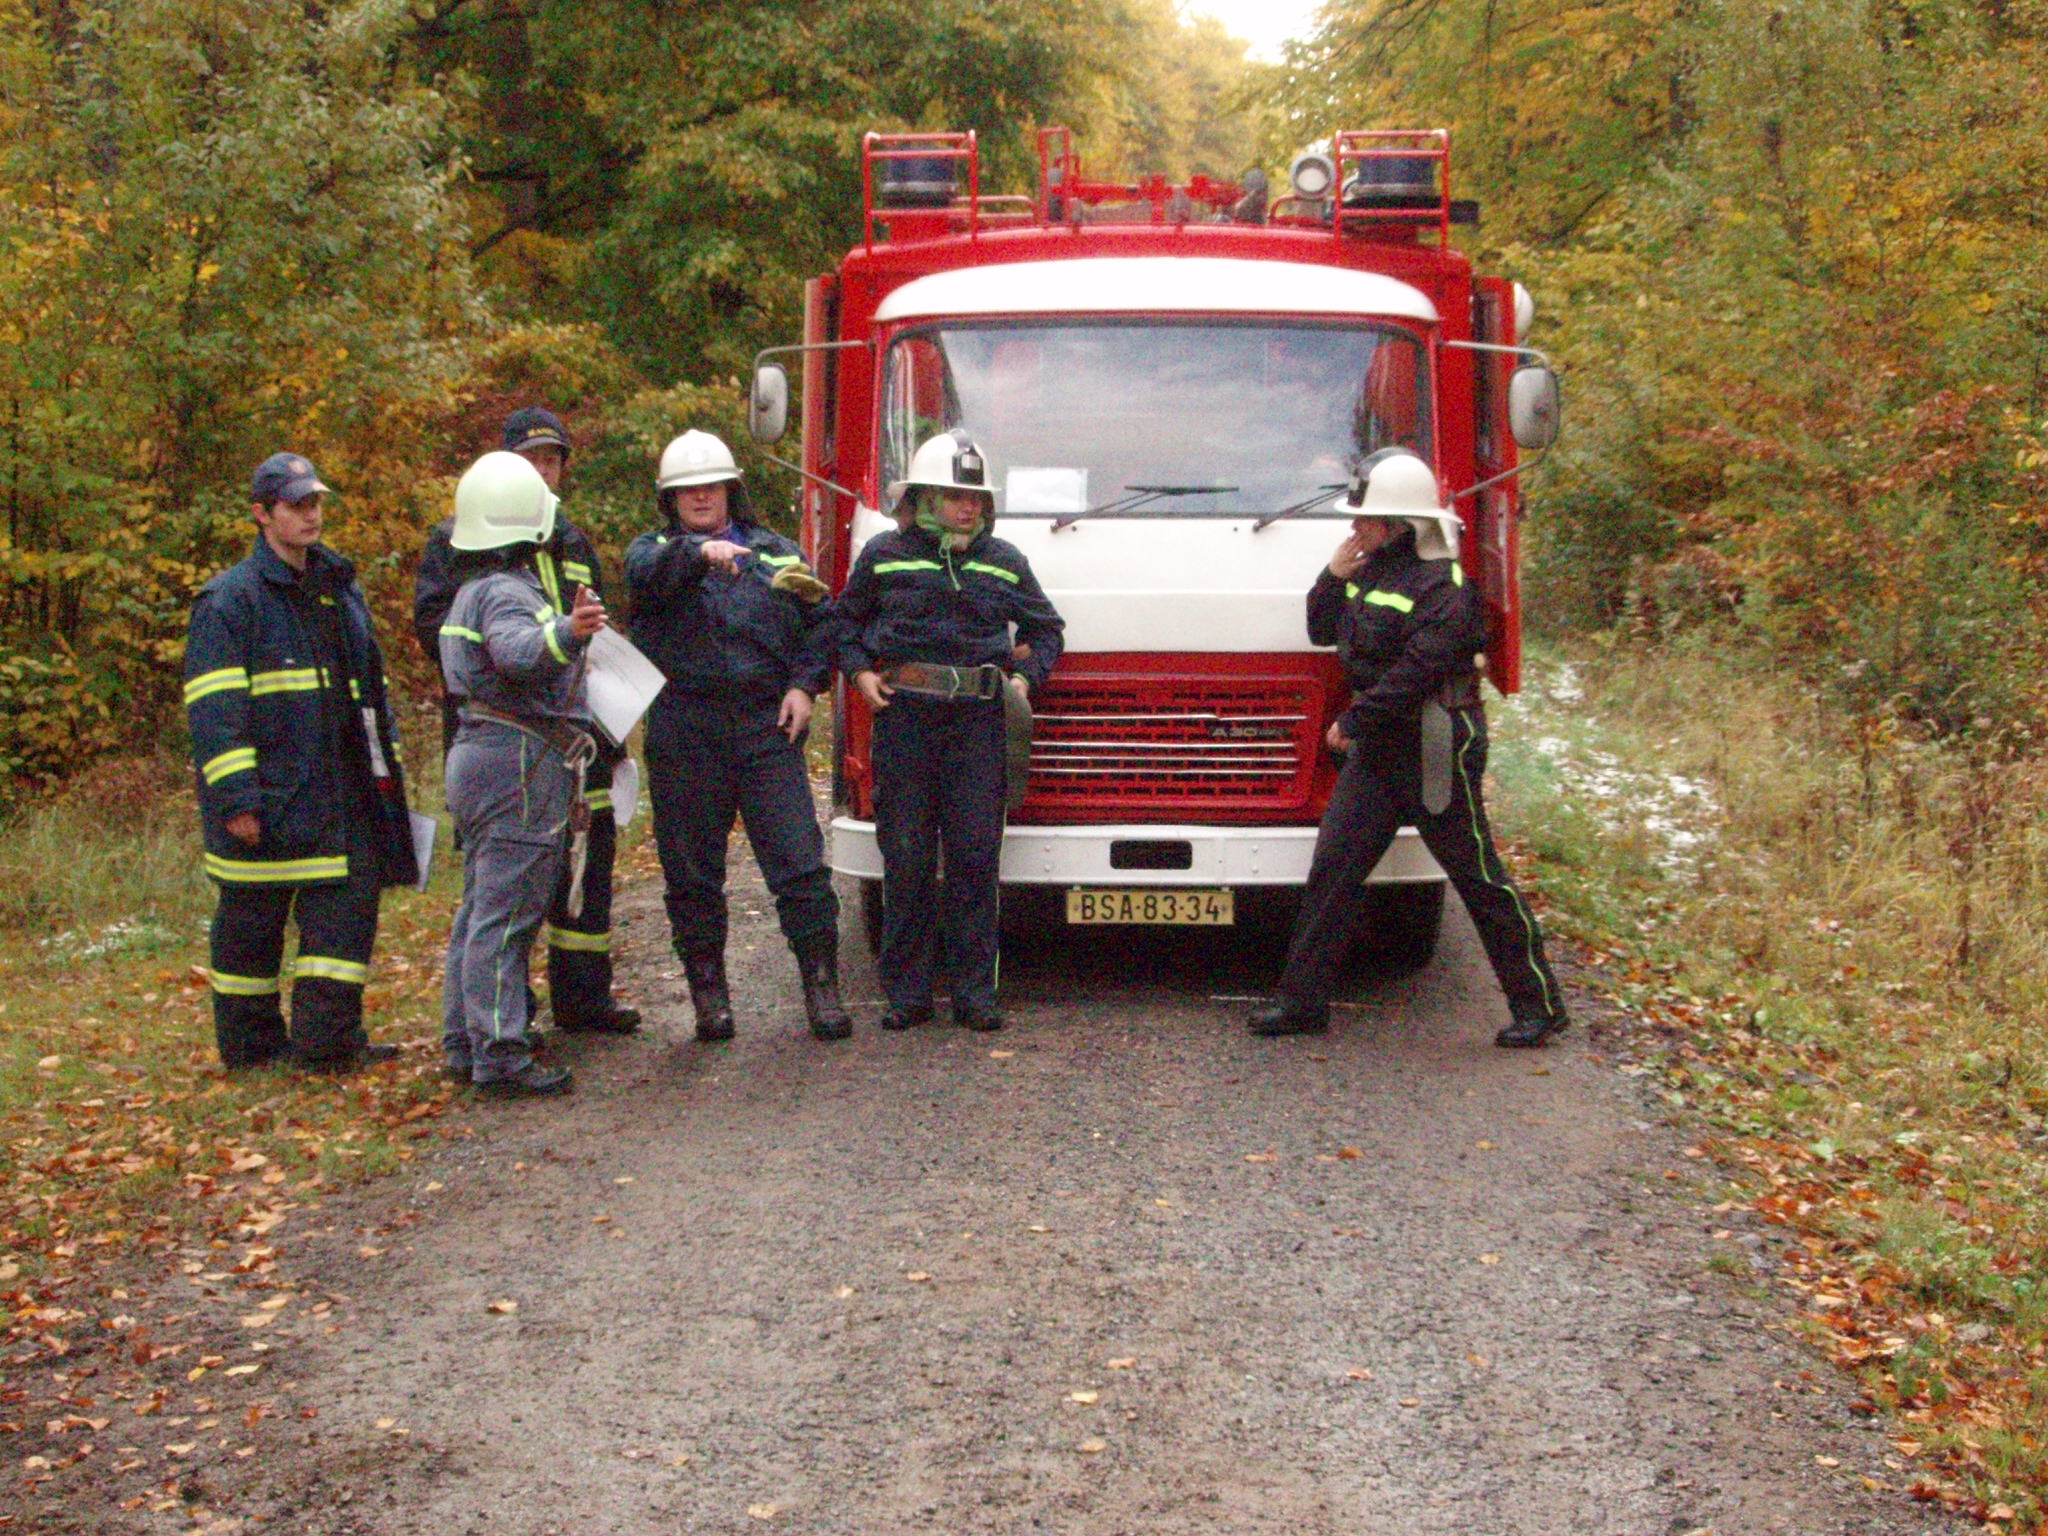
{"x": 1157, "y": 744}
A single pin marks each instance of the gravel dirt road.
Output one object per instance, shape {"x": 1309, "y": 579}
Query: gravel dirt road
{"x": 1119, "y": 1269}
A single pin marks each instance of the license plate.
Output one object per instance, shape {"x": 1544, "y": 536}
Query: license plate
{"x": 1193, "y": 908}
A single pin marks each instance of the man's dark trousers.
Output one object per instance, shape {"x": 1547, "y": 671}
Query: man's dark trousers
{"x": 580, "y": 947}
{"x": 1379, "y": 791}
{"x": 711, "y": 757}
{"x": 939, "y": 783}
{"x": 337, "y": 931}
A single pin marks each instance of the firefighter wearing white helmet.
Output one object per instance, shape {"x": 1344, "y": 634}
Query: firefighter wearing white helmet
{"x": 926, "y": 619}
{"x": 1409, "y": 629}
{"x": 579, "y": 943}
{"x": 732, "y": 615}
{"x": 513, "y": 661}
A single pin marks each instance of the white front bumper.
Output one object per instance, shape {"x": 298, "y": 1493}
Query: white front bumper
{"x": 1223, "y": 856}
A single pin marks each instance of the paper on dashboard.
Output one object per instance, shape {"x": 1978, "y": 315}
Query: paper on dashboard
{"x": 620, "y": 683}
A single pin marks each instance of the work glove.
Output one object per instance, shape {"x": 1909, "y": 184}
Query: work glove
{"x": 798, "y": 581}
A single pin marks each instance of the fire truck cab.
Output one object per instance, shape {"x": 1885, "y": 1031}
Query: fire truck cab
{"x": 1171, "y": 386}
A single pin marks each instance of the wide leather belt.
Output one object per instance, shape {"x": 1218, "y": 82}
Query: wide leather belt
{"x": 936, "y": 681}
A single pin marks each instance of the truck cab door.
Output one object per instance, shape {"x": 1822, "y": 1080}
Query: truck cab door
{"x": 1493, "y": 521}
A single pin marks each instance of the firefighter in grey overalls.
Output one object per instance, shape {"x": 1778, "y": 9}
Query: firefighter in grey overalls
{"x": 514, "y": 661}
{"x": 1409, "y": 629}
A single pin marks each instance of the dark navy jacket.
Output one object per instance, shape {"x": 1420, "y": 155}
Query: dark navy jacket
{"x": 714, "y": 633}
{"x": 569, "y": 561}
{"x": 285, "y": 695}
{"x": 910, "y": 598}
{"x": 1403, "y": 627}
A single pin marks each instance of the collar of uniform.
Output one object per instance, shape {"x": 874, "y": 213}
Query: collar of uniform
{"x": 926, "y": 540}
{"x": 324, "y": 568}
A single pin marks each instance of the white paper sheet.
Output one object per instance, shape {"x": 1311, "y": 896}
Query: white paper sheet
{"x": 625, "y": 792}
{"x": 424, "y": 829}
{"x": 621, "y": 683}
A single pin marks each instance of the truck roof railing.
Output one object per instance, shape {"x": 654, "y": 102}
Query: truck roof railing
{"x": 1384, "y": 182}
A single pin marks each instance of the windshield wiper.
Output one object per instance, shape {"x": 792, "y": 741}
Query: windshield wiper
{"x": 1145, "y": 493}
{"x": 1321, "y": 495}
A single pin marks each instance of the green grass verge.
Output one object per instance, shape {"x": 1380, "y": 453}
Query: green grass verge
{"x": 1834, "y": 932}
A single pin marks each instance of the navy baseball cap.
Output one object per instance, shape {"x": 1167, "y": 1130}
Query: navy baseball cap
{"x": 535, "y": 426}
{"x": 286, "y": 477}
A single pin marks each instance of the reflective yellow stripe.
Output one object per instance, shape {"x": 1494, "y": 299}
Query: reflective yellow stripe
{"x": 1457, "y": 574}
{"x": 220, "y": 680}
{"x": 234, "y": 760}
{"x": 598, "y": 799}
{"x": 275, "y": 871}
{"x": 780, "y": 559}
{"x": 1393, "y": 600}
{"x": 544, "y": 564}
{"x": 355, "y": 690}
{"x": 576, "y": 570}
{"x": 244, "y": 986}
{"x": 884, "y": 567}
{"x": 291, "y": 680}
{"x": 326, "y": 969}
{"x": 547, "y": 631}
{"x": 1350, "y": 589}
{"x": 569, "y": 938}
{"x": 462, "y": 634}
{"x": 990, "y": 570}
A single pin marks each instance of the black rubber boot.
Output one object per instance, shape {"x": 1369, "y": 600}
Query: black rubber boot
{"x": 1529, "y": 1034}
{"x": 818, "y": 964}
{"x": 1285, "y": 1016}
{"x": 617, "y": 1019}
{"x": 709, "y": 995}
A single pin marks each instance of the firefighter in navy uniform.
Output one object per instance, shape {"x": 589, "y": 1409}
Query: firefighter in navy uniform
{"x": 579, "y": 947}
{"x": 1409, "y": 630}
{"x": 925, "y": 620}
{"x": 733, "y": 617}
{"x": 300, "y": 796}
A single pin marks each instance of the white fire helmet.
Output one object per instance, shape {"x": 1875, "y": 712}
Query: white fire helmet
{"x": 1396, "y": 483}
{"x": 695, "y": 458}
{"x": 502, "y": 500}
{"x": 948, "y": 462}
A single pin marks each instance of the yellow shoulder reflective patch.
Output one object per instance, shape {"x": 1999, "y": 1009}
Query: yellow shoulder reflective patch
{"x": 1393, "y": 600}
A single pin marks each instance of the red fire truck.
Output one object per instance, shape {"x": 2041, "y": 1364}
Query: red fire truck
{"x": 1171, "y": 385}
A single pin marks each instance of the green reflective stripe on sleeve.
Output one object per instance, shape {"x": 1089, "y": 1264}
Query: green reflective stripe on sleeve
{"x": 290, "y": 680}
{"x": 991, "y": 570}
{"x": 1457, "y": 574}
{"x": 244, "y": 986}
{"x": 589, "y": 943}
{"x": 1350, "y": 590}
{"x": 598, "y": 799}
{"x": 547, "y": 632}
{"x": 220, "y": 680}
{"x": 576, "y": 570}
{"x": 462, "y": 634}
{"x": 354, "y": 972}
{"x": 780, "y": 559}
{"x": 544, "y": 564}
{"x": 234, "y": 760}
{"x": 884, "y": 567}
{"x": 1393, "y": 600}
{"x": 275, "y": 871}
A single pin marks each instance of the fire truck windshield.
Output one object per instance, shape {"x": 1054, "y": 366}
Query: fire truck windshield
{"x": 1233, "y": 418}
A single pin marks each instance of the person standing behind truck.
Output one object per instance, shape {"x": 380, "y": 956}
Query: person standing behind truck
{"x": 301, "y": 801}
{"x": 733, "y": 617}
{"x": 925, "y": 620}
{"x": 514, "y": 663}
{"x": 579, "y": 945}
{"x": 1408, "y": 628}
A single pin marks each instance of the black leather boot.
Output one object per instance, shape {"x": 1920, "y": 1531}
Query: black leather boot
{"x": 818, "y": 964}
{"x": 708, "y": 994}
{"x": 1285, "y": 1016}
{"x": 1530, "y": 1034}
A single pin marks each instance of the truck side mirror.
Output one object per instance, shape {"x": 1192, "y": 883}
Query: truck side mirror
{"x": 1534, "y": 407}
{"x": 768, "y": 404}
